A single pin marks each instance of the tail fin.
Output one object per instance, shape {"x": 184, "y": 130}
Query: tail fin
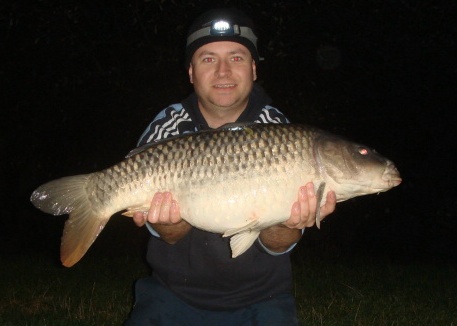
{"x": 68, "y": 196}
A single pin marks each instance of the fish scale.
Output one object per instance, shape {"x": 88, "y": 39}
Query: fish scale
{"x": 236, "y": 180}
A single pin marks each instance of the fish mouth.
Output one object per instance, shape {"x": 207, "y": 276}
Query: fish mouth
{"x": 391, "y": 175}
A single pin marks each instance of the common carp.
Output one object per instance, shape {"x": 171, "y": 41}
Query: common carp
{"x": 235, "y": 180}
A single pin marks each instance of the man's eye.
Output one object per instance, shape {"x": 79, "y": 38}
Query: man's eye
{"x": 236, "y": 59}
{"x": 208, "y": 60}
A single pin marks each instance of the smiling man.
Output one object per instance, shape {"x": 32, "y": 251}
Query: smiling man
{"x": 222, "y": 74}
{"x": 195, "y": 281}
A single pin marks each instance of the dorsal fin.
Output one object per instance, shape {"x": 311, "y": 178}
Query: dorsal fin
{"x": 235, "y": 126}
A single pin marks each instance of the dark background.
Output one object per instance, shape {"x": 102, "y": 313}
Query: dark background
{"x": 80, "y": 80}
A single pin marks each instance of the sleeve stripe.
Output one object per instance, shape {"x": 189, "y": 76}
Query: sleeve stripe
{"x": 167, "y": 124}
{"x": 270, "y": 115}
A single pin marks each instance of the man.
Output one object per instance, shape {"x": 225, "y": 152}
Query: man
{"x": 195, "y": 281}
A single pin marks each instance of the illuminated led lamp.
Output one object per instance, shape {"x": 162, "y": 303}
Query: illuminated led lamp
{"x": 223, "y": 28}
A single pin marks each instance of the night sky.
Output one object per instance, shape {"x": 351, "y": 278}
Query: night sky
{"x": 82, "y": 80}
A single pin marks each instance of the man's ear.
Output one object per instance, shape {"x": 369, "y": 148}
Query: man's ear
{"x": 190, "y": 74}
{"x": 254, "y": 71}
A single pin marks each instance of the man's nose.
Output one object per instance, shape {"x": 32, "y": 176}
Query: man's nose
{"x": 223, "y": 68}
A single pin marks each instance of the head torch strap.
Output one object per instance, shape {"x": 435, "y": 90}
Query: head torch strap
{"x": 245, "y": 32}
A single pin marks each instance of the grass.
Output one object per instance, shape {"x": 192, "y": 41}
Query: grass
{"x": 375, "y": 292}
{"x": 39, "y": 293}
{"x": 330, "y": 289}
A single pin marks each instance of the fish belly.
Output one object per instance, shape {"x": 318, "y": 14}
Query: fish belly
{"x": 260, "y": 201}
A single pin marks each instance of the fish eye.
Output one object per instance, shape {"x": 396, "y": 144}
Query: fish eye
{"x": 363, "y": 151}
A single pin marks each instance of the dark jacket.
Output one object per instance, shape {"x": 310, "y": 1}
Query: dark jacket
{"x": 199, "y": 268}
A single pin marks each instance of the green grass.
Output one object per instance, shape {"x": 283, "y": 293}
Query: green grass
{"x": 39, "y": 292}
{"x": 330, "y": 289}
{"x": 375, "y": 292}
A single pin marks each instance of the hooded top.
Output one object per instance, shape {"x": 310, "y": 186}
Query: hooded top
{"x": 199, "y": 268}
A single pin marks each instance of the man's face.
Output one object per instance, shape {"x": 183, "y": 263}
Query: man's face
{"x": 222, "y": 74}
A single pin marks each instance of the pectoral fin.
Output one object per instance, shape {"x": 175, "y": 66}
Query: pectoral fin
{"x": 319, "y": 195}
{"x": 241, "y": 242}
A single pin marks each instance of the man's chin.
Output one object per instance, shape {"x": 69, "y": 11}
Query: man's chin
{"x": 224, "y": 102}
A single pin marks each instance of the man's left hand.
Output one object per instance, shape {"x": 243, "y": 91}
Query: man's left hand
{"x": 303, "y": 212}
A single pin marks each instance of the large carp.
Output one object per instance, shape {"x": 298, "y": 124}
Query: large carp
{"x": 235, "y": 180}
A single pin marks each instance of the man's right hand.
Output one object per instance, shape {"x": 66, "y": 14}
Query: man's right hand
{"x": 165, "y": 217}
{"x": 164, "y": 210}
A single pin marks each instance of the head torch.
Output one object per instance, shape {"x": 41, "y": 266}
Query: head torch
{"x": 224, "y": 24}
{"x": 223, "y": 28}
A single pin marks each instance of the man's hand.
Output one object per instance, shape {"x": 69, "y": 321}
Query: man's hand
{"x": 303, "y": 212}
{"x": 165, "y": 217}
{"x": 279, "y": 238}
{"x": 164, "y": 209}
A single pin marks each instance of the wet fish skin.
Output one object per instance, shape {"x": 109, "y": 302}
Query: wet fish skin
{"x": 236, "y": 180}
